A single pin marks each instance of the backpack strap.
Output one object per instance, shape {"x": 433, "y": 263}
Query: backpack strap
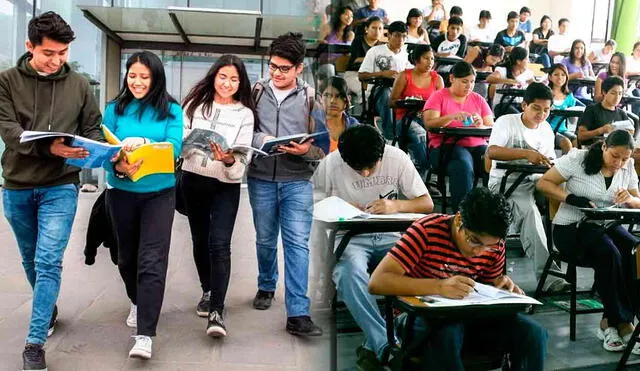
{"x": 311, "y": 102}
{"x": 256, "y": 92}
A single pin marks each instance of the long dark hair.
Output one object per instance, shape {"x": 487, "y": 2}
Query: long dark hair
{"x": 572, "y": 57}
{"x": 594, "y": 159}
{"x": 203, "y": 91}
{"x": 157, "y": 97}
{"x": 559, "y": 66}
{"x": 623, "y": 65}
{"x": 417, "y": 53}
{"x": 415, "y": 13}
{"x": 336, "y": 22}
{"x": 517, "y": 54}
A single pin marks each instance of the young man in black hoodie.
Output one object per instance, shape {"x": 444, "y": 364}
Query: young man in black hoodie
{"x": 40, "y": 192}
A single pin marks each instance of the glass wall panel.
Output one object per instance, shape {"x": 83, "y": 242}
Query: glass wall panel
{"x": 226, "y": 4}
{"x": 158, "y": 4}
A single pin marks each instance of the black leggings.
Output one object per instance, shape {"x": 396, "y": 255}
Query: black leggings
{"x": 142, "y": 223}
{"x": 608, "y": 252}
{"x": 211, "y": 207}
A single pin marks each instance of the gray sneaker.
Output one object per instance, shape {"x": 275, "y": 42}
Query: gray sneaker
{"x": 202, "y": 310}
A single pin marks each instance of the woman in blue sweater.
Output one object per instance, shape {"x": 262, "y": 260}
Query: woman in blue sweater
{"x": 142, "y": 211}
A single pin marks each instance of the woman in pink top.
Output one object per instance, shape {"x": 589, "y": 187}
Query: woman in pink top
{"x": 455, "y": 107}
{"x": 419, "y": 82}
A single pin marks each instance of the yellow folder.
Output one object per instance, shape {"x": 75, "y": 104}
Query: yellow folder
{"x": 157, "y": 158}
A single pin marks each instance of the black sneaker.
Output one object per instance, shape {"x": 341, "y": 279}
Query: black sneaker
{"x": 367, "y": 360}
{"x": 52, "y": 322}
{"x": 303, "y": 326}
{"x": 202, "y": 310}
{"x": 33, "y": 358}
{"x": 215, "y": 326}
{"x": 263, "y": 300}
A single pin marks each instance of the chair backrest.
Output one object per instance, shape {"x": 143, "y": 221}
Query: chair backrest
{"x": 341, "y": 63}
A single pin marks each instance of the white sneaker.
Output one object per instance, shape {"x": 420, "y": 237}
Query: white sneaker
{"x": 142, "y": 348}
{"x": 132, "y": 318}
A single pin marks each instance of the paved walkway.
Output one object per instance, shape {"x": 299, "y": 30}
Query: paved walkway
{"x": 92, "y": 335}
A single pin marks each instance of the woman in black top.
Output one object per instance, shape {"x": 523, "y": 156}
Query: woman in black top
{"x": 540, "y": 40}
{"x": 359, "y": 47}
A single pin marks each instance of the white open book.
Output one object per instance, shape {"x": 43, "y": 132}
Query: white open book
{"x": 334, "y": 209}
{"x": 485, "y": 295}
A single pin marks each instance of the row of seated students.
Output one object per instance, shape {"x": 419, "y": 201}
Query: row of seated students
{"x": 525, "y": 137}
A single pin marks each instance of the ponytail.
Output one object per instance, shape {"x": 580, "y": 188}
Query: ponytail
{"x": 594, "y": 160}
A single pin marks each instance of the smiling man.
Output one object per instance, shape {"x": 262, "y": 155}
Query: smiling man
{"x": 378, "y": 179}
{"x": 40, "y": 192}
{"x": 445, "y": 255}
{"x": 280, "y": 193}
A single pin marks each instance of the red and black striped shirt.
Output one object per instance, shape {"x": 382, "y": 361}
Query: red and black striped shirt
{"x": 426, "y": 250}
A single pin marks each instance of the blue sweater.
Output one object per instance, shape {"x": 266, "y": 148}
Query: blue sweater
{"x": 129, "y": 125}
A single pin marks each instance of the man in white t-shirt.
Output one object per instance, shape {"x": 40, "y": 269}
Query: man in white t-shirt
{"x": 560, "y": 42}
{"x": 483, "y": 31}
{"x": 378, "y": 179}
{"x": 526, "y": 138}
{"x": 386, "y": 61}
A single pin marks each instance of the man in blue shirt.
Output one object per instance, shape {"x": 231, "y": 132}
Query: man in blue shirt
{"x": 511, "y": 36}
{"x": 372, "y": 10}
{"x": 525, "y": 21}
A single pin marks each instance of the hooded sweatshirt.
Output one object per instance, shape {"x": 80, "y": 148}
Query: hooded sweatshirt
{"x": 291, "y": 116}
{"x": 60, "y": 102}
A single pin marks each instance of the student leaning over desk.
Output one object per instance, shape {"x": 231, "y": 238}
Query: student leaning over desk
{"x": 221, "y": 101}
{"x": 378, "y": 179}
{"x": 526, "y": 138}
{"x": 142, "y": 211}
{"x": 602, "y": 176}
{"x": 445, "y": 255}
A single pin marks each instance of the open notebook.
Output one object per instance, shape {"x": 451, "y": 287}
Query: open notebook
{"x": 485, "y": 295}
{"x": 335, "y": 209}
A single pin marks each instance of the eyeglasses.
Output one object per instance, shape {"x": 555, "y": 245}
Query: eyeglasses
{"x": 474, "y": 244}
{"x": 283, "y": 69}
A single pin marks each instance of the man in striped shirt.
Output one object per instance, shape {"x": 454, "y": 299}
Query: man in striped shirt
{"x": 445, "y": 255}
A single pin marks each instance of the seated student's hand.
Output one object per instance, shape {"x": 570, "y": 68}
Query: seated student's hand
{"x": 505, "y": 282}
{"x": 538, "y": 158}
{"x": 458, "y": 116}
{"x": 390, "y": 74}
{"x": 58, "y": 148}
{"x": 579, "y": 201}
{"x": 294, "y": 148}
{"x": 456, "y": 287}
{"x": 606, "y": 129}
{"x": 477, "y": 120}
{"x": 383, "y": 206}
{"x": 623, "y": 197}
{"x": 126, "y": 168}
{"x": 131, "y": 143}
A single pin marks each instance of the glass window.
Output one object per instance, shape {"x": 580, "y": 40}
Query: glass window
{"x": 14, "y": 18}
{"x": 226, "y": 4}
{"x": 158, "y": 4}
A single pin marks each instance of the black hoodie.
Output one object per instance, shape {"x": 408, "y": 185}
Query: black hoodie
{"x": 61, "y": 102}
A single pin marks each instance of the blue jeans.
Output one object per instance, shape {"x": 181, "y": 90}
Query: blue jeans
{"x": 41, "y": 219}
{"x": 286, "y": 207}
{"x": 544, "y": 60}
{"x": 523, "y": 338}
{"x": 351, "y": 276}
{"x": 417, "y": 144}
{"x": 384, "y": 111}
{"x": 462, "y": 165}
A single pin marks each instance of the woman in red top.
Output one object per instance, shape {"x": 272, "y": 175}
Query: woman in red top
{"x": 419, "y": 83}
